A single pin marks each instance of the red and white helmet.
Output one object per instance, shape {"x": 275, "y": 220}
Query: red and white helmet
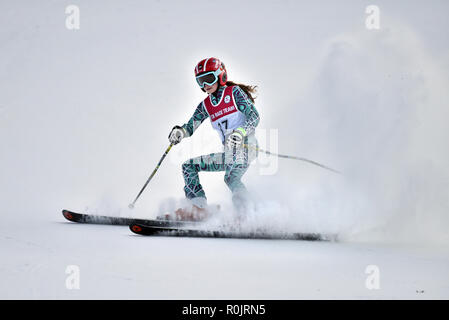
{"x": 212, "y": 65}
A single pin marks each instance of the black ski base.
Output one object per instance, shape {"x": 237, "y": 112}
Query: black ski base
{"x": 120, "y": 221}
{"x": 148, "y": 230}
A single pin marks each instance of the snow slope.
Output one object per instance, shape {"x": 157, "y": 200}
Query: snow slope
{"x": 85, "y": 114}
{"x": 113, "y": 264}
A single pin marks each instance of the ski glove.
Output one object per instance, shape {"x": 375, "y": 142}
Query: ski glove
{"x": 235, "y": 139}
{"x": 176, "y": 135}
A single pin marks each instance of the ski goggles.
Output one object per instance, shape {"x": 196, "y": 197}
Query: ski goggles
{"x": 208, "y": 78}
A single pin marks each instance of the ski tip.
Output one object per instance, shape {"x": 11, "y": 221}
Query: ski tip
{"x": 145, "y": 230}
{"x": 140, "y": 229}
{"x": 135, "y": 228}
{"x": 68, "y": 215}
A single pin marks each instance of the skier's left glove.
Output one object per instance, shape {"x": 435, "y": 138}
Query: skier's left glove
{"x": 235, "y": 139}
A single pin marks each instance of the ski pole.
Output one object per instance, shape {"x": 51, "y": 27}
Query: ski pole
{"x": 290, "y": 157}
{"x": 131, "y": 205}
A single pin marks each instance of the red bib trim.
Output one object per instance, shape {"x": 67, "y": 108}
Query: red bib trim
{"x": 225, "y": 106}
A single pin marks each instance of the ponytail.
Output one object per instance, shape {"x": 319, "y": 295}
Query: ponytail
{"x": 249, "y": 90}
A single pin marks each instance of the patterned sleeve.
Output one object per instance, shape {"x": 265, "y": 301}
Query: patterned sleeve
{"x": 198, "y": 117}
{"x": 245, "y": 105}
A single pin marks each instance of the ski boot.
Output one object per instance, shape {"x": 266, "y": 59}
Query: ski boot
{"x": 192, "y": 213}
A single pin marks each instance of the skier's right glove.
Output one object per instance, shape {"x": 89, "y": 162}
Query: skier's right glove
{"x": 176, "y": 135}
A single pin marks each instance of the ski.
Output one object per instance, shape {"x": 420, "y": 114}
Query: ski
{"x": 120, "y": 221}
{"x": 151, "y": 230}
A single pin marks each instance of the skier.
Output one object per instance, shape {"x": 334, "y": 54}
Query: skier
{"x": 230, "y": 107}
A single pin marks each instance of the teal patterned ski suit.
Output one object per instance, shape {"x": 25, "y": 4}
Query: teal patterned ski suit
{"x": 233, "y": 162}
